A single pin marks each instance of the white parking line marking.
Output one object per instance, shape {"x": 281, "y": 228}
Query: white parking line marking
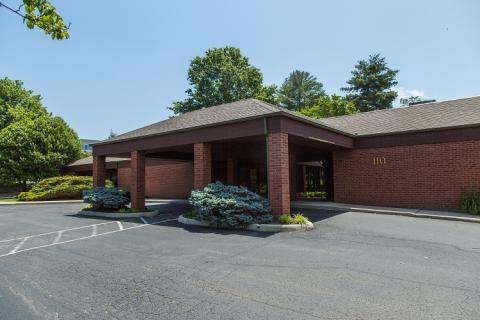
{"x": 16, "y": 250}
{"x": 94, "y": 230}
{"x": 44, "y": 234}
{"x": 120, "y": 225}
{"x": 144, "y": 220}
{"x": 19, "y": 245}
{"x": 57, "y": 238}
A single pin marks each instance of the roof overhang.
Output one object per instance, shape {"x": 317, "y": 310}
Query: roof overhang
{"x": 247, "y": 127}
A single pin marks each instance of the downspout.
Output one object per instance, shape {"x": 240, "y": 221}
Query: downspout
{"x": 265, "y": 132}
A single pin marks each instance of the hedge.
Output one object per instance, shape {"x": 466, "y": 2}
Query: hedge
{"x": 63, "y": 187}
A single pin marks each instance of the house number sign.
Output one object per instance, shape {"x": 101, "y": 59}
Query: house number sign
{"x": 379, "y": 161}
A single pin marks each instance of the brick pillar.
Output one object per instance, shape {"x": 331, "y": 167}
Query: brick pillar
{"x": 202, "y": 165}
{"x": 278, "y": 173}
{"x": 99, "y": 171}
{"x": 137, "y": 180}
{"x": 292, "y": 161}
{"x": 230, "y": 171}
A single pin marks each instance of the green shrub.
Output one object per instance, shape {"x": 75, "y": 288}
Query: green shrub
{"x": 295, "y": 219}
{"x": 285, "y": 219}
{"x": 312, "y": 194}
{"x": 300, "y": 219}
{"x": 63, "y": 187}
{"x": 107, "y": 199}
{"x": 470, "y": 202}
{"x": 230, "y": 206}
{"x": 190, "y": 215}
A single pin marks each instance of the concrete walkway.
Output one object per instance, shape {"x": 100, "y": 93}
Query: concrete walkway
{"x": 418, "y": 213}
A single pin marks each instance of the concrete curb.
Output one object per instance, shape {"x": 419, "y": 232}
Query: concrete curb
{"x": 414, "y": 213}
{"x": 254, "y": 226}
{"x": 117, "y": 215}
{"x": 19, "y": 203}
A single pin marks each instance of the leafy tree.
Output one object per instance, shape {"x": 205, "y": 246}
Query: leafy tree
{"x": 370, "y": 87}
{"x": 405, "y": 102}
{"x": 14, "y": 96}
{"x": 33, "y": 144}
{"x": 330, "y": 107}
{"x": 268, "y": 94}
{"x": 222, "y": 75}
{"x": 111, "y": 134}
{"x": 300, "y": 90}
{"x": 42, "y": 14}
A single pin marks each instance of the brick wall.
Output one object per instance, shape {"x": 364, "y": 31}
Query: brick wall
{"x": 420, "y": 176}
{"x": 278, "y": 173}
{"x": 163, "y": 178}
{"x": 202, "y": 165}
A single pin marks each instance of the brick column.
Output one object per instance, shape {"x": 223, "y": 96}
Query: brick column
{"x": 292, "y": 161}
{"x": 137, "y": 180}
{"x": 202, "y": 165}
{"x": 99, "y": 171}
{"x": 230, "y": 171}
{"x": 278, "y": 173}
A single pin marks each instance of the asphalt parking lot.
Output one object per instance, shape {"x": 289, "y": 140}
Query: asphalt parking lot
{"x": 54, "y": 265}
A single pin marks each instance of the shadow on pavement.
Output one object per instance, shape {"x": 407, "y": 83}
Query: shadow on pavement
{"x": 173, "y": 210}
{"x": 316, "y": 215}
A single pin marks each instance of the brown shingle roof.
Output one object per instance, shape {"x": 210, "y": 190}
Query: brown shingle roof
{"x": 452, "y": 113}
{"x": 224, "y": 113}
{"x": 423, "y": 117}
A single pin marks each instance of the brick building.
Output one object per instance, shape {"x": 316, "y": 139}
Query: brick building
{"x": 421, "y": 156}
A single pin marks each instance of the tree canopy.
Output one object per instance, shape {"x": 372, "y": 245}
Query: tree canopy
{"x": 33, "y": 143}
{"x": 222, "y": 75}
{"x": 371, "y": 85}
{"x": 300, "y": 90}
{"x": 405, "y": 102}
{"x": 329, "y": 107}
{"x": 41, "y": 14}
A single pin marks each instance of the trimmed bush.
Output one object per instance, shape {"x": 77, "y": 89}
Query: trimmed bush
{"x": 470, "y": 202}
{"x": 63, "y": 187}
{"x": 107, "y": 199}
{"x": 230, "y": 206}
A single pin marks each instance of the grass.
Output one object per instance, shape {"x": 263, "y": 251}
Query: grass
{"x": 9, "y": 199}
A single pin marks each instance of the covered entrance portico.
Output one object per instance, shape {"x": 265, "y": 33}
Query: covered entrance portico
{"x": 265, "y": 153}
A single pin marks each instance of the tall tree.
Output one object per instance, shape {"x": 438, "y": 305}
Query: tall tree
{"x": 111, "y": 134}
{"x": 41, "y": 14}
{"x": 330, "y": 107}
{"x": 299, "y": 90}
{"x": 371, "y": 85}
{"x": 405, "y": 102}
{"x": 33, "y": 143}
{"x": 14, "y": 96}
{"x": 222, "y": 75}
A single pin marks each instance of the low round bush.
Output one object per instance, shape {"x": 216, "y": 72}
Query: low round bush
{"x": 63, "y": 187}
{"x": 106, "y": 199}
{"x": 230, "y": 206}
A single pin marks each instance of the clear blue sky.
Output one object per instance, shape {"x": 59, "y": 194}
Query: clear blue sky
{"x": 126, "y": 61}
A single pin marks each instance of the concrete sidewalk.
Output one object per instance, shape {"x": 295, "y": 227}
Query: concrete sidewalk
{"x": 417, "y": 213}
